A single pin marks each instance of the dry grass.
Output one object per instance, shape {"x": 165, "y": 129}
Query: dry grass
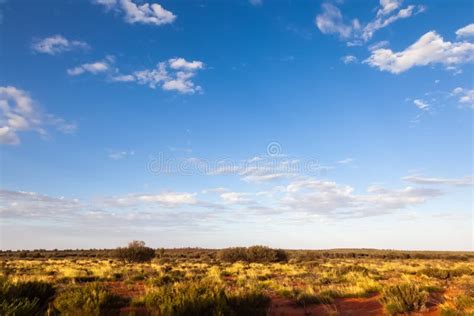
{"x": 306, "y": 283}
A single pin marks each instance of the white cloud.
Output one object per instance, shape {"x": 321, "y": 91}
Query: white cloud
{"x": 349, "y": 59}
{"x": 387, "y": 6}
{"x": 57, "y": 44}
{"x": 378, "y": 45}
{"x": 422, "y": 105}
{"x": 21, "y": 204}
{"x": 235, "y": 197}
{"x": 140, "y": 210}
{"x": 256, "y": 2}
{"x": 419, "y": 179}
{"x": 328, "y": 198}
{"x": 331, "y": 21}
{"x": 381, "y": 21}
{"x": 19, "y": 113}
{"x": 181, "y": 63}
{"x": 167, "y": 199}
{"x": 466, "y": 31}
{"x": 261, "y": 171}
{"x": 345, "y": 161}
{"x": 120, "y": 154}
{"x": 300, "y": 198}
{"x": 466, "y": 96}
{"x": 123, "y": 78}
{"x": 146, "y": 13}
{"x": 94, "y": 68}
{"x": 109, "y": 4}
{"x": 174, "y": 75}
{"x": 429, "y": 49}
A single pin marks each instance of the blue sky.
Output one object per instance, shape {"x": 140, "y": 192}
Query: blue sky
{"x": 296, "y": 124}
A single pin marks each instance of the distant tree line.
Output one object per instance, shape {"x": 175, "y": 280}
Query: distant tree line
{"x": 250, "y": 254}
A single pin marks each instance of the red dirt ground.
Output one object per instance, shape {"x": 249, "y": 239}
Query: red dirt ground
{"x": 285, "y": 307}
{"x": 343, "y": 307}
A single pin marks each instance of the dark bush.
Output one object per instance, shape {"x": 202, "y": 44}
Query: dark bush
{"x": 233, "y": 254}
{"x": 24, "y": 298}
{"x": 260, "y": 254}
{"x": 265, "y": 254}
{"x": 136, "y": 251}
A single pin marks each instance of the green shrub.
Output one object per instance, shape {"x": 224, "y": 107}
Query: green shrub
{"x": 444, "y": 274}
{"x": 136, "y": 251}
{"x": 204, "y": 297}
{"x": 458, "y": 307}
{"x": 190, "y": 298}
{"x": 305, "y": 299}
{"x": 404, "y": 298}
{"x": 20, "y": 307}
{"x": 92, "y": 299}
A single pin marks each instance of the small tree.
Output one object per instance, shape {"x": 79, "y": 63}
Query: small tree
{"x": 136, "y": 251}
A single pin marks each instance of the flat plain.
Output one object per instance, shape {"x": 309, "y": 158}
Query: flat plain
{"x": 237, "y": 281}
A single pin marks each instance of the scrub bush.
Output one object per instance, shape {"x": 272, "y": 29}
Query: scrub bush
{"x": 404, "y": 298}
{"x": 136, "y": 251}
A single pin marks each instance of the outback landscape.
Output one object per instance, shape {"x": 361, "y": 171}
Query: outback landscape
{"x": 236, "y": 157}
{"x": 137, "y": 280}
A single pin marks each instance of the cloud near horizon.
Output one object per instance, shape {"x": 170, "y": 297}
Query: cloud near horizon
{"x": 307, "y": 197}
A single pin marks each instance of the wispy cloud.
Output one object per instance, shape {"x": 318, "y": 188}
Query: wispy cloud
{"x": 345, "y": 161}
{"x": 146, "y": 13}
{"x": 349, "y": 59}
{"x": 256, "y": 3}
{"x": 382, "y": 21}
{"x": 120, "y": 154}
{"x": 332, "y": 21}
{"x": 330, "y": 199}
{"x": 306, "y": 197}
{"x": 94, "y": 68}
{"x": 422, "y": 105}
{"x": 419, "y": 179}
{"x": 19, "y": 113}
{"x": 22, "y": 204}
{"x": 57, "y": 44}
{"x": 166, "y": 199}
{"x": 387, "y": 6}
{"x": 465, "y": 96}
